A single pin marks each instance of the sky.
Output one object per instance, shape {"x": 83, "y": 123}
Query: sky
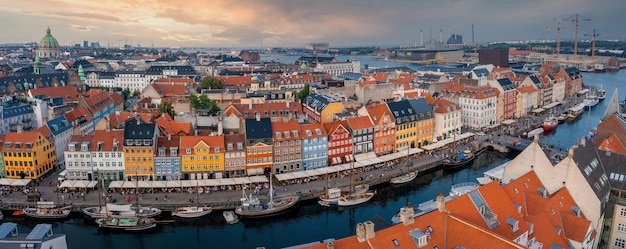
{"x": 294, "y": 23}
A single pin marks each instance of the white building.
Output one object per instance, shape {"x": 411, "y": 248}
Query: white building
{"x": 78, "y": 157}
{"x": 447, "y": 118}
{"x": 337, "y": 68}
{"x": 478, "y": 104}
{"x": 100, "y": 79}
{"x": 133, "y": 80}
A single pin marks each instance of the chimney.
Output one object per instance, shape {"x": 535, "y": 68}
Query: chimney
{"x": 441, "y": 203}
{"x": 330, "y": 245}
{"x": 369, "y": 230}
{"x": 287, "y": 103}
{"x": 360, "y": 232}
{"x": 19, "y": 128}
{"x": 583, "y": 142}
{"x": 406, "y": 215}
{"x": 258, "y": 117}
{"x": 250, "y": 104}
{"x": 169, "y": 136}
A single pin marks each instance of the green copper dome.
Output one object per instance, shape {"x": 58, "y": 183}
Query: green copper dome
{"x": 48, "y": 41}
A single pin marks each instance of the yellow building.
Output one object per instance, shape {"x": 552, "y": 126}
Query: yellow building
{"x": 139, "y": 146}
{"x": 202, "y": 157}
{"x": 415, "y": 123}
{"x": 321, "y": 108}
{"x": 28, "y": 155}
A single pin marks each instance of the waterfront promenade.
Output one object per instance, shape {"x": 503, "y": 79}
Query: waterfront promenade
{"x": 224, "y": 199}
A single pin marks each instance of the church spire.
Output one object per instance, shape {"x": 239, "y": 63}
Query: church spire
{"x": 48, "y": 31}
{"x": 37, "y": 67}
{"x": 81, "y": 72}
{"x": 613, "y": 107}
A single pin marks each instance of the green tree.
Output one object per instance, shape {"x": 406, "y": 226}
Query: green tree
{"x": 136, "y": 93}
{"x": 210, "y": 82}
{"x": 204, "y": 103}
{"x": 167, "y": 107}
{"x": 126, "y": 93}
{"x": 302, "y": 94}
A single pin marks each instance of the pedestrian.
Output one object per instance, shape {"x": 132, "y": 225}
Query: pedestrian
{"x": 82, "y": 194}
{"x": 62, "y": 197}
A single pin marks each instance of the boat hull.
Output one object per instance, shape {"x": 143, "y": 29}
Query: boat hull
{"x": 191, "y": 212}
{"x": 405, "y": 178}
{"x": 230, "y": 217}
{"x": 128, "y": 225}
{"x": 35, "y": 214}
{"x": 354, "y": 200}
{"x": 261, "y": 211}
{"x": 98, "y": 213}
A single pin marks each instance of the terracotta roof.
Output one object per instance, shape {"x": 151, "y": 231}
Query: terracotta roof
{"x": 79, "y": 139}
{"x": 235, "y": 80}
{"x": 117, "y": 99}
{"x": 123, "y": 116}
{"x": 474, "y": 92}
{"x": 613, "y": 144}
{"x": 520, "y": 52}
{"x": 377, "y": 111}
{"x": 45, "y": 131}
{"x": 192, "y": 141}
{"x": 526, "y": 89}
{"x": 331, "y": 127}
{"x": 289, "y": 126}
{"x": 441, "y": 105}
{"x": 265, "y": 107}
{"x": 168, "y": 126}
{"x": 312, "y": 128}
{"x": 98, "y": 101}
{"x": 68, "y": 93}
{"x": 170, "y": 89}
{"x": 164, "y": 141}
{"x": 611, "y": 126}
{"x": 22, "y": 138}
{"x": 234, "y": 139}
{"x": 359, "y": 123}
{"x": 500, "y": 69}
{"x": 80, "y": 111}
{"x": 108, "y": 138}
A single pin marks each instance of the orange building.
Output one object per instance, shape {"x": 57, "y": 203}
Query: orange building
{"x": 259, "y": 145}
{"x": 384, "y": 128}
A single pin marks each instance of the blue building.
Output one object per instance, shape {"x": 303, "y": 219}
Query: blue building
{"x": 15, "y": 116}
{"x": 167, "y": 160}
{"x": 61, "y": 130}
{"x": 314, "y": 146}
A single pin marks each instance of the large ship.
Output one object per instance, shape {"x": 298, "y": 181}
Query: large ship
{"x": 590, "y": 101}
{"x": 252, "y": 207}
{"x": 575, "y": 111}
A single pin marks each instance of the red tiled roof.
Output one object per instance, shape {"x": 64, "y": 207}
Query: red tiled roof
{"x": 611, "y": 126}
{"x": 98, "y": 101}
{"x": 359, "y": 123}
{"x": 441, "y": 105}
{"x": 289, "y": 126}
{"x": 123, "y": 116}
{"x": 170, "y": 89}
{"x": 265, "y": 107}
{"x": 312, "y": 127}
{"x": 80, "y": 111}
{"x": 526, "y": 89}
{"x": 168, "y": 126}
{"x": 23, "y": 137}
{"x": 108, "y": 138}
{"x": 192, "y": 141}
{"x": 68, "y": 93}
{"x": 377, "y": 111}
{"x": 613, "y": 144}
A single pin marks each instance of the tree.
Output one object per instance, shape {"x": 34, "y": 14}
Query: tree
{"x": 210, "y": 82}
{"x": 126, "y": 93}
{"x": 204, "y": 103}
{"x": 302, "y": 94}
{"x": 136, "y": 93}
{"x": 167, "y": 107}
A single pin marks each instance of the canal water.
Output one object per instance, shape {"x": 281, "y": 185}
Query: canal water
{"x": 311, "y": 222}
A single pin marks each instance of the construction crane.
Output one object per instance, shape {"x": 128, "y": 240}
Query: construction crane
{"x": 577, "y": 21}
{"x": 558, "y": 29}
{"x": 594, "y": 37}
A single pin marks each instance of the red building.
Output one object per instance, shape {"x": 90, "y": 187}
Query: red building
{"x": 339, "y": 143}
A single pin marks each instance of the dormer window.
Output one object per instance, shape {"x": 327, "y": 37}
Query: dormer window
{"x": 147, "y": 142}
{"x": 18, "y": 145}
{"x": 278, "y": 135}
{"x": 188, "y": 150}
{"x": 129, "y": 142}
{"x": 240, "y": 146}
{"x": 229, "y": 146}
{"x": 173, "y": 151}
{"x": 295, "y": 133}
{"x": 419, "y": 238}
{"x": 513, "y": 224}
{"x": 286, "y": 134}
{"x": 161, "y": 152}
{"x": 216, "y": 149}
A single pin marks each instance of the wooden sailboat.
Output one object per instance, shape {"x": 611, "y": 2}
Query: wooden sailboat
{"x": 117, "y": 210}
{"x": 46, "y": 210}
{"x": 129, "y": 224}
{"x": 409, "y": 176}
{"x": 458, "y": 160}
{"x": 193, "y": 211}
{"x": 252, "y": 207}
{"x": 354, "y": 198}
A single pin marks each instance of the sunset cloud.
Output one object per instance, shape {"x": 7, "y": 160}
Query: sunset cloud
{"x": 294, "y": 23}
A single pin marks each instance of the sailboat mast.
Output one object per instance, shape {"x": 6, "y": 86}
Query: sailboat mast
{"x": 136, "y": 194}
{"x": 271, "y": 189}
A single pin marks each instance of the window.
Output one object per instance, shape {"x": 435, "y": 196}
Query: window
{"x": 622, "y": 212}
{"x": 621, "y": 228}
{"x": 620, "y": 243}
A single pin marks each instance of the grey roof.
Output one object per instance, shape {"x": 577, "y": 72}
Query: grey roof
{"x": 481, "y": 72}
{"x": 18, "y": 81}
{"x": 584, "y": 156}
{"x": 393, "y": 69}
{"x": 39, "y": 232}
{"x": 6, "y": 229}
{"x": 143, "y": 130}
{"x": 182, "y": 70}
{"x": 13, "y": 109}
{"x": 350, "y": 76}
{"x": 258, "y": 129}
{"x": 319, "y": 102}
{"x": 58, "y": 125}
{"x": 130, "y": 72}
{"x": 106, "y": 75}
{"x": 572, "y": 72}
{"x": 506, "y": 84}
{"x": 402, "y": 111}
{"x": 421, "y": 108}
{"x": 536, "y": 81}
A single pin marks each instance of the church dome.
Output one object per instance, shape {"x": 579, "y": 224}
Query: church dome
{"x": 48, "y": 41}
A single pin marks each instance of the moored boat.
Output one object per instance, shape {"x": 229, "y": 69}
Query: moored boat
{"x": 230, "y": 217}
{"x": 47, "y": 211}
{"x": 459, "y": 160}
{"x": 119, "y": 211}
{"x": 550, "y": 123}
{"x": 131, "y": 224}
{"x": 252, "y": 207}
{"x": 355, "y": 199}
{"x": 191, "y": 212}
{"x": 561, "y": 118}
{"x": 404, "y": 178}
{"x": 590, "y": 101}
{"x": 601, "y": 94}
{"x": 575, "y": 111}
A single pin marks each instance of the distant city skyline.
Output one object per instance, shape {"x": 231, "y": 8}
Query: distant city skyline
{"x": 289, "y": 23}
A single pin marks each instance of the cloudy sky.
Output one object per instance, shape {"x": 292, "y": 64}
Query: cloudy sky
{"x": 268, "y": 23}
